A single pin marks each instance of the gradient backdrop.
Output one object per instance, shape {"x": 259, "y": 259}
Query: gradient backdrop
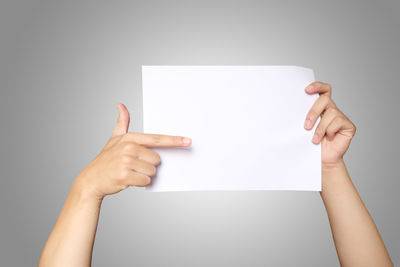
{"x": 65, "y": 64}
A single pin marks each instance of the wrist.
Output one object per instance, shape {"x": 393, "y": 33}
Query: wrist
{"x": 333, "y": 166}
{"x": 83, "y": 191}
{"x": 335, "y": 177}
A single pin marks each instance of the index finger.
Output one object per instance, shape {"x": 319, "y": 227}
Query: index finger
{"x": 158, "y": 140}
{"x": 320, "y": 88}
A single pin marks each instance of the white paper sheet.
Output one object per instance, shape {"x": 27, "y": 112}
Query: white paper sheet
{"x": 246, "y": 123}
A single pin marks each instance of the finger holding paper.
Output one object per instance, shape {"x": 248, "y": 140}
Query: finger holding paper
{"x": 334, "y": 131}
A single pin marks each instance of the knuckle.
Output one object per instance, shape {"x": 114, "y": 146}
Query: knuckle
{"x": 157, "y": 158}
{"x": 329, "y": 87}
{"x": 325, "y": 98}
{"x": 334, "y": 111}
{"x": 312, "y": 115}
{"x": 156, "y": 139}
{"x": 128, "y": 147}
{"x": 152, "y": 170}
{"x": 320, "y": 129}
{"x": 126, "y": 159}
{"x": 124, "y": 175}
{"x": 317, "y": 83}
{"x": 177, "y": 140}
{"x": 340, "y": 119}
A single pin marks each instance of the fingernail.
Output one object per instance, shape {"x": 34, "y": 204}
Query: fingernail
{"x": 186, "y": 141}
{"x": 307, "y": 124}
{"x": 315, "y": 139}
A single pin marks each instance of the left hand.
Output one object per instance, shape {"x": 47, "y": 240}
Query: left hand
{"x": 334, "y": 130}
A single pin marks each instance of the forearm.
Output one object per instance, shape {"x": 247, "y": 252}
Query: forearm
{"x": 356, "y": 237}
{"x": 71, "y": 241}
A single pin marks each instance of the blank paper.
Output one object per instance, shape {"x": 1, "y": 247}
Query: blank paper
{"x": 246, "y": 124}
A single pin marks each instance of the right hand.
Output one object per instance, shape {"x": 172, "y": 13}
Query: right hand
{"x": 125, "y": 160}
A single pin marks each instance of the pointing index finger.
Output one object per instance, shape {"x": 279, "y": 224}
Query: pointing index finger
{"x": 159, "y": 140}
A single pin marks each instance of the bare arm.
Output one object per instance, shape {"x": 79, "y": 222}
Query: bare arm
{"x": 356, "y": 237}
{"x": 71, "y": 241}
{"x": 125, "y": 161}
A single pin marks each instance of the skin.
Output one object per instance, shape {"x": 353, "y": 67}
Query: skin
{"x": 127, "y": 160}
{"x": 356, "y": 237}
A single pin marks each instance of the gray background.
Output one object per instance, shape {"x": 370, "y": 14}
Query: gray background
{"x": 65, "y": 64}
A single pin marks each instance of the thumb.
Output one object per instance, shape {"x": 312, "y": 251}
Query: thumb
{"x": 123, "y": 120}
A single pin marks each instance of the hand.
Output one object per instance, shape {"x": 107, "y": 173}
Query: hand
{"x": 125, "y": 160}
{"x": 334, "y": 130}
